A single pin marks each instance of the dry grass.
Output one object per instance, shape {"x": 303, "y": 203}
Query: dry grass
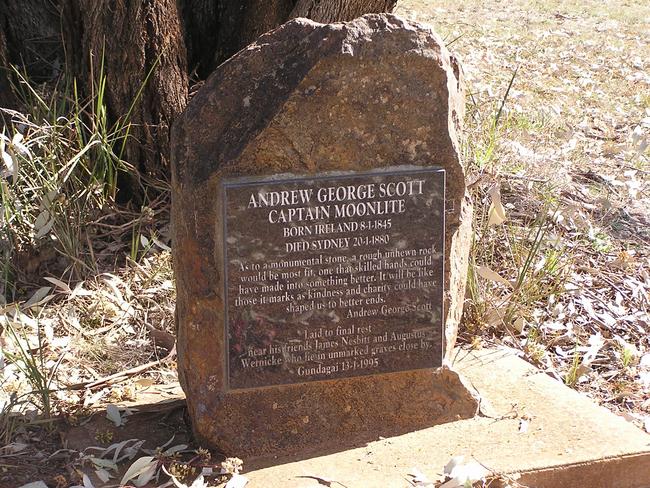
{"x": 569, "y": 159}
{"x": 81, "y": 339}
{"x": 99, "y": 327}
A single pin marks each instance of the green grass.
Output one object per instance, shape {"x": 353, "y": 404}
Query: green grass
{"x": 573, "y": 375}
{"x": 529, "y": 122}
{"x": 62, "y": 158}
{"x": 66, "y": 160}
{"x": 34, "y": 368}
{"x": 522, "y": 252}
{"x": 527, "y": 257}
{"x": 40, "y": 374}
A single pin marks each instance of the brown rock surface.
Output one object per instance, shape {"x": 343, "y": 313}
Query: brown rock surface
{"x": 308, "y": 98}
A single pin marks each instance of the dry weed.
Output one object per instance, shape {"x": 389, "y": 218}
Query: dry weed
{"x": 569, "y": 154}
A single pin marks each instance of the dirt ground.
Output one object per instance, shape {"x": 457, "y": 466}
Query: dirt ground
{"x": 572, "y": 140}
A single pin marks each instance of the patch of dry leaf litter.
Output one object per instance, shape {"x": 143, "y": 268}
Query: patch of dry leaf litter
{"x": 568, "y": 155}
{"x": 99, "y": 341}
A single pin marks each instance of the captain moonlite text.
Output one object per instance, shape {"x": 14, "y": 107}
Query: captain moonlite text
{"x": 346, "y": 201}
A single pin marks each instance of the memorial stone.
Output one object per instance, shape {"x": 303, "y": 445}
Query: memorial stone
{"x": 321, "y": 233}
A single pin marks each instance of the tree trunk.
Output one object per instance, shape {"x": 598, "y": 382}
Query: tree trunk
{"x": 29, "y": 38}
{"x": 327, "y": 11}
{"x": 140, "y": 48}
{"x": 6, "y": 98}
{"x": 149, "y": 50}
{"x": 33, "y": 37}
{"x": 215, "y": 30}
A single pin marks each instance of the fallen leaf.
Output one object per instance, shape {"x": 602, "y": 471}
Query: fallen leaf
{"x": 140, "y": 466}
{"x": 103, "y": 475}
{"x": 42, "y": 219}
{"x": 144, "y": 382}
{"x": 519, "y": 324}
{"x": 161, "y": 245}
{"x": 87, "y": 482}
{"x": 34, "y": 484}
{"x": 113, "y": 414}
{"x": 460, "y": 474}
{"x": 586, "y": 304}
{"x": 488, "y": 274}
{"x": 14, "y": 447}
{"x": 59, "y": 284}
{"x": 37, "y": 297}
{"x": 496, "y": 213}
{"x": 596, "y": 342}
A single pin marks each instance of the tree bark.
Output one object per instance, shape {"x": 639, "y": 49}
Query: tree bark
{"x": 217, "y": 29}
{"x": 149, "y": 50}
{"x": 6, "y": 96}
{"x": 201, "y": 20}
{"x": 31, "y": 29}
{"x": 29, "y": 38}
{"x": 140, "y": 48}
{"x": 327, "y": 11}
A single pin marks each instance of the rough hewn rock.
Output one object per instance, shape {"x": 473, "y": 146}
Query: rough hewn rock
{"x": 306, "y": 98}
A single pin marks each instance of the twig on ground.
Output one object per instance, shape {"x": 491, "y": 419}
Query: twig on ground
{"x": 122, "y": 375}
